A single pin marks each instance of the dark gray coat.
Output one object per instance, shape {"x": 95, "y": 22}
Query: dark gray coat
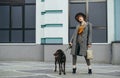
{"x": 84, "y": 40}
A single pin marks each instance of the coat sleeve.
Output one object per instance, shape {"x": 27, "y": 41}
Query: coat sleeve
{"x": 89, "y": 34}
{"x": 73, "y": 36}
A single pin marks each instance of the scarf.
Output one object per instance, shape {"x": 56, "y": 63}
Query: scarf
{"x": 81, "y": 29}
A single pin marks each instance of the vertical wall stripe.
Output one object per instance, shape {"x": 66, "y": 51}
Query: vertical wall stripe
{"x": 39, "y": 21}
{"x": 110, "y": 20}
{"x": 117, "y": 20}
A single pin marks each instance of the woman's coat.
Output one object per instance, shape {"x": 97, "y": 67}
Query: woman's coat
{"x": 84, "y": 40}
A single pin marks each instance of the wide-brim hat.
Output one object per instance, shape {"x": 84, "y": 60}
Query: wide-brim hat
{"x": 80, "y": 14}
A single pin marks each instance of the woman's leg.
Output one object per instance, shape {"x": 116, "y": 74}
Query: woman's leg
{"x": 89, "y": 65}
{"x": 87, "y": 61}
{"x": 74, "y": 59}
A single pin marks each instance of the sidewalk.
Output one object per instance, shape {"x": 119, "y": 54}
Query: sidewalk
{"x": 46, "y": 70}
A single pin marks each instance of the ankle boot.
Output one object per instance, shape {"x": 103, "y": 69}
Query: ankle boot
{"x": 89, "y": 71}
{"x": 74, "y": 70}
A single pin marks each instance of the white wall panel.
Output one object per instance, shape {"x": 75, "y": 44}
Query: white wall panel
{"x": 53, "y": 18}
{"x": 53, "y": 32}
{"x": 54, "y": 4}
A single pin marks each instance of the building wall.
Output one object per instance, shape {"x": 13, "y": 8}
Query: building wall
{"x": 32, "y": 52}
{"x": 101, "y": 52}
{"x": 21, "y": 52}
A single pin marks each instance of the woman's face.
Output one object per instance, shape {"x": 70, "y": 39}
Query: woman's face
{"x": 80, "y": 18}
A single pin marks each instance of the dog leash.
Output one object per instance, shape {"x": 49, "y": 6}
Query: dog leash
{"x": 69, "y": 47}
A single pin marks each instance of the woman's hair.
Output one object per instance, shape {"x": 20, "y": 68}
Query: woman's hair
{"x": 80, "y": 14}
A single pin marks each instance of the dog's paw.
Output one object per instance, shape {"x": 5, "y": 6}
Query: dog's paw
{"x": 59, "y": 73}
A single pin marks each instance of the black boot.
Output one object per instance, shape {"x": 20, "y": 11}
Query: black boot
{"x": 89, "y": 71}
{"x": 74, "y": 70}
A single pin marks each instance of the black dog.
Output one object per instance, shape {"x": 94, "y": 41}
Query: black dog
{"x": 60, "y": 58}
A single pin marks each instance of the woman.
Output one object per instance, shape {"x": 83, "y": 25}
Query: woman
{"x": 81, "y": 41}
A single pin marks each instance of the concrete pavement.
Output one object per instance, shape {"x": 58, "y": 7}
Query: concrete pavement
{"x": 22, "y": 69}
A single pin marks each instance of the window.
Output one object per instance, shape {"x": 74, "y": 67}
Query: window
{"x": 97, "y": 16}
{"x": 17, "y": 21}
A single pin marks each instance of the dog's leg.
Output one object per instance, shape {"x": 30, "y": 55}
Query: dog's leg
{"x": 64, "y": 69}
{"x": 59, "y": 68}
{"x": 55, "y": 66}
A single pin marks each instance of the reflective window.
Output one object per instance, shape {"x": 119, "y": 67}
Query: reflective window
{"x": 17, "y": 21}
{"x": 16, "y": 17}
{"x": 29, "y": 35}
{"x": 16, "y": 36}
{"x": 98, "y": 14}
{"x": 4, "y": 36}
{"x": 30, "y": 1}
{"x": 29, "y": 16}
{"x": 4, "y": 16}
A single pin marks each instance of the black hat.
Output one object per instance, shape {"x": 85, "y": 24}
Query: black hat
{"x": 80, "y": 14}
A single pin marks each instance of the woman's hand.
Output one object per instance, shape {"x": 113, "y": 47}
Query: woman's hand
{"x": 70, "y": 44}
{"x": 89, "y": 46}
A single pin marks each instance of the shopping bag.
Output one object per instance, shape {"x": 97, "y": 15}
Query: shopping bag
{"x": 90, "y": 54}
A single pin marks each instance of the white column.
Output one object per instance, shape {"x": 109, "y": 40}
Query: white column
{"x": 110, "y": 19}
